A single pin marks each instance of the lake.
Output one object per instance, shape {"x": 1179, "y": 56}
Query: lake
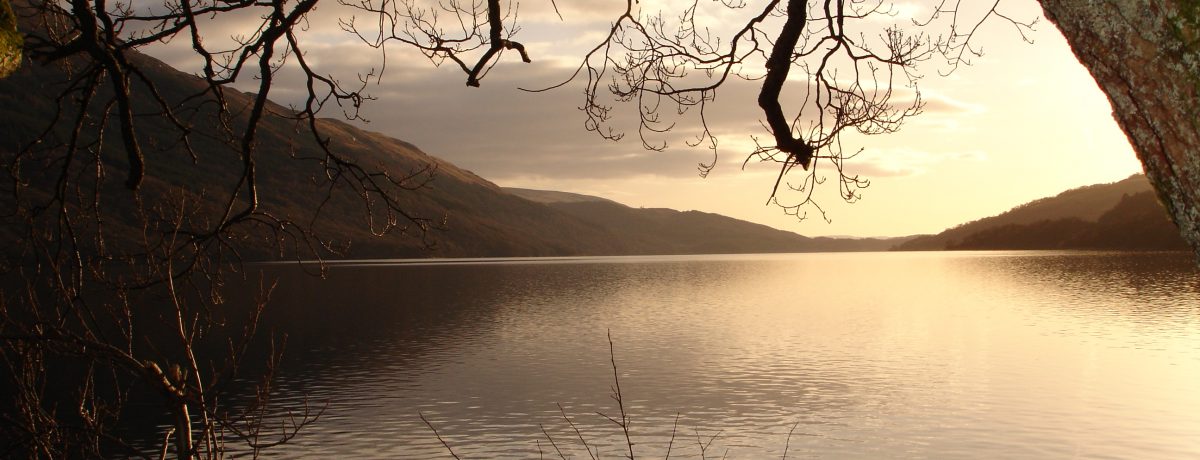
{"x": 857, "y": 355}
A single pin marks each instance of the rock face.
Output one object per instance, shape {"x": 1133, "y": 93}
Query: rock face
{"x": 1145, "y": 55}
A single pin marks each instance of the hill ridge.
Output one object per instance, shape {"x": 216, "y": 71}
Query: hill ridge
{"x": 1098, "y": 216}
{"x": 474, "y": 217}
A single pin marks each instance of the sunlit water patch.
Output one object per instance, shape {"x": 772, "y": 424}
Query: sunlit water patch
{"x": 897, "y": 355}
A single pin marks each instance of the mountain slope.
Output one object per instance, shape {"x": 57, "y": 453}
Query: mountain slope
{"x": 1121, "y": 215}
{"x": 1137, "y": 222}
{"x": 550, "y": 197}
{"x": 686, "y": 232}
{"x": 474, "y": 217}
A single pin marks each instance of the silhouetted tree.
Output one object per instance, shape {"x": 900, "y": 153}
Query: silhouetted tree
{"x": 855, "y": 75}
{"x": 114, "y": 283}
{"x": 853, "y": 67}
{"x": 113, "y": 287}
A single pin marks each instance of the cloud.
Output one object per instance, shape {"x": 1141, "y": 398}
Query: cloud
{"x": 938, "y": 103}
{"x": 501, "y": 132}
{"x": 571, "y": 10}
{"x": 897, "y": 162}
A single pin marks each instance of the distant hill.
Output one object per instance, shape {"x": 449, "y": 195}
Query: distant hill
{"x": 475, "y": 217}
{"x": 1122, "y": 215}
{"x": 549, "y": 196}
{"x": 691, "y": 232}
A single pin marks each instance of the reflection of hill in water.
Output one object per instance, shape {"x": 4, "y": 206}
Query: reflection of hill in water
{"x": 1156, "y": 291}
{"x": 867, "y": 351}
{"x": 529, "y": 335}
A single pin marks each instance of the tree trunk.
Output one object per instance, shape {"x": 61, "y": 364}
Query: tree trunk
{"x": 1144, "y": 55}
{"x": 183, "y": 432}
{"x": 10, "y": 40}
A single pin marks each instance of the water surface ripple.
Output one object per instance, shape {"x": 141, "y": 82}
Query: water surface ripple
{"x": 895, "y": 355}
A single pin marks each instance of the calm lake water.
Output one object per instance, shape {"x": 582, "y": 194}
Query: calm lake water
{"x": 866, "y": 355}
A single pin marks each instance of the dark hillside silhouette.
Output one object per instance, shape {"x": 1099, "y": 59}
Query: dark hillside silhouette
{"x": 692, "y": 232}
{"x": 1137, "y": 222}
{"x": 1124, "y": 215}
{"x": 472, "y": 216}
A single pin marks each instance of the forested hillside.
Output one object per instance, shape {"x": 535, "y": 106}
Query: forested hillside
{"x": 1124, "y": 215}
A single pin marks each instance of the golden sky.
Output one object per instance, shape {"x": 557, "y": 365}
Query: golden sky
{"x": 1022, "y": 122}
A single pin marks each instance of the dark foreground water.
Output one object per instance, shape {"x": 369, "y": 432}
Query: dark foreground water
{"x": 894, "y": 355}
